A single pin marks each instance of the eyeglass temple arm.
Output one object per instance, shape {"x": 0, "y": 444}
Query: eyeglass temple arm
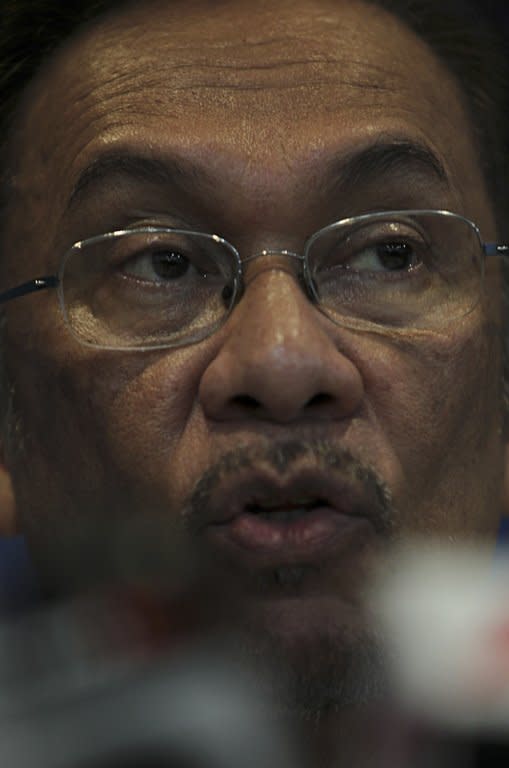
{"x": 39, "y": 284}
{"x": 496, "y": 249}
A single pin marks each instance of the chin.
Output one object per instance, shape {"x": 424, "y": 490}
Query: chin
{"x": 315, "y": 654}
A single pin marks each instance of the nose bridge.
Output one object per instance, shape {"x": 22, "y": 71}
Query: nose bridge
{"x": 274, "y": 302}
{"x": 273, "y": 252}
{"x": 274, "y": 260}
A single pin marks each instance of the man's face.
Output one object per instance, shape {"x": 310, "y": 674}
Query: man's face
{"x": 362, "y": 435}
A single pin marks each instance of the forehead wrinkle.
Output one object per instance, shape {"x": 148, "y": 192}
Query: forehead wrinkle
{"x": 187, "y": 78}
{"x": 113, "y": 100}
{"x": 232, "y": 60}
{"x": 200, "y": 68}
{"x": 220, "y": 32}
{"x": 232, "y": 36}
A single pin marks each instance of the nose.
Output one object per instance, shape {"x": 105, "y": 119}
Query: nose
{"x": 280, "y": 360}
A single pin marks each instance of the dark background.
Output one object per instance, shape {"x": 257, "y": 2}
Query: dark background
{"x": 498, "y": 8}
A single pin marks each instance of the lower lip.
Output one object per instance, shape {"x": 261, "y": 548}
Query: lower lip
{"x": 319, "y": 528}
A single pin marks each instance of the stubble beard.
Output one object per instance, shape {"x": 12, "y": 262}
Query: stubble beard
{"x": 320, "y": 674}
{"x": 313, "y": 682}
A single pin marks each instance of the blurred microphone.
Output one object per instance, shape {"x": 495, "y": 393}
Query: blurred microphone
{"x": 131, "y": 666}
{"x": 444, "y": 615}
{"x": 198, "y": 709}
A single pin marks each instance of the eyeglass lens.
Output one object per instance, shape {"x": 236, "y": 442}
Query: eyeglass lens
{"x": 407, "y": 271}
{"x": 147, "y": 288}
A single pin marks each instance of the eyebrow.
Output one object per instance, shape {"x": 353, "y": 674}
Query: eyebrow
{"x": 168, "y": 171}
{"x": 346, "y": 172}
{"x": 390, "y": 156}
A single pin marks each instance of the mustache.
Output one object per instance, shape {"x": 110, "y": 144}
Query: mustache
{"x": 283, "y": 458}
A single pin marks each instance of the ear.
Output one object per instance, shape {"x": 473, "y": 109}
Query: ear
{"x": 7, "y": 500}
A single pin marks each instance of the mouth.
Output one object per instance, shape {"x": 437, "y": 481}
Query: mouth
{"x": 284, "y": 514}
{"x": 304, "y": 520}
{"x": 289, "y": 536}
{"x": 294, "y": 530}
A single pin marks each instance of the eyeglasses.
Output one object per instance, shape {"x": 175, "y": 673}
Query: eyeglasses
{"x": 157, "y": 287}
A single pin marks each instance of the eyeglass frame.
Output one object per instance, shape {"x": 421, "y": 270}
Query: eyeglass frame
{"x": 56, "y": 281}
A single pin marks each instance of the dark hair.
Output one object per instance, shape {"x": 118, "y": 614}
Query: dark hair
{"x": 458, "y": 33}
{"x": 30, "y": 31}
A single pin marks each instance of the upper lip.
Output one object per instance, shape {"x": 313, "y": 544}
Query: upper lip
{"x": 245, "y": 491}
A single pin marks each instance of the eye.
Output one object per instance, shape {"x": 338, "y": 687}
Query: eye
{"x": 387, "y": 256}
{"x": 159, "y": 264}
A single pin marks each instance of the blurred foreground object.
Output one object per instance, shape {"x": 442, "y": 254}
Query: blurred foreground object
{"x": 81, "y": 688}
{"x": 126, "y": 665}
{"x": 18, "y": 581}
{"x": 444, "y": 614}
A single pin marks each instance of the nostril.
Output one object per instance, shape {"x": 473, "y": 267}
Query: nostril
{"x": 322, "y": 398}
{"x": 246, "y": 401}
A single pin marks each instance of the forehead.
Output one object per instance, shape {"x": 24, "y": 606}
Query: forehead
{"x": 254, "y": 92}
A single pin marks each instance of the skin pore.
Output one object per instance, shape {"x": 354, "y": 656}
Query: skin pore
{"x": 255, "y": 104}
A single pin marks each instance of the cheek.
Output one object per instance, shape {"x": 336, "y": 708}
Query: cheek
{"x": 152, "y": 423}
{"x": 437, "y": 401}
{"x": 151, "y": 410}
{"x": 108, "y": 426}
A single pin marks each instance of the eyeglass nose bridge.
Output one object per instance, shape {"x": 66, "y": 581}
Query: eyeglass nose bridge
{"x": 303, "y": 275}
{"x": 274, "y": 252}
